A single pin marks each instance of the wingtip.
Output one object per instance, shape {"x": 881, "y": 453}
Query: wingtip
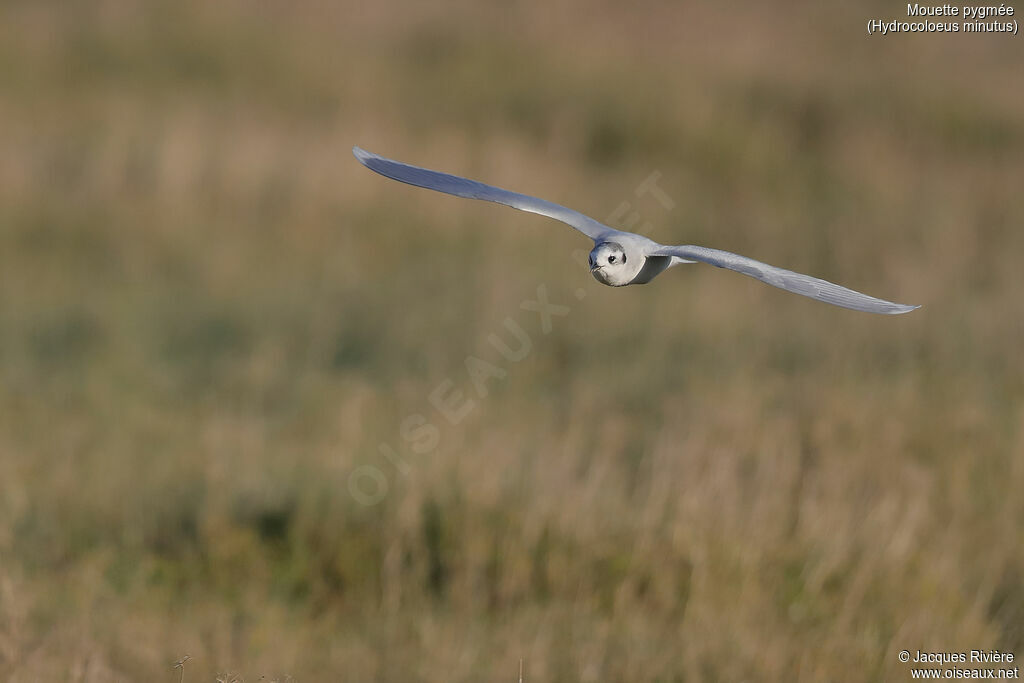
{"x": 361, "y": 154}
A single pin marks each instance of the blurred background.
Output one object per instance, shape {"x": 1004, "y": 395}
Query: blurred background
{"x": 211, "y": 318}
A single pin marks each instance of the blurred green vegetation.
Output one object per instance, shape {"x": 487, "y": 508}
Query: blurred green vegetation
{"x": 210, "y": 315}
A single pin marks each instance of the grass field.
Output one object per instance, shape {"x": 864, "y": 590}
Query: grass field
{"x": 212, "y": 318}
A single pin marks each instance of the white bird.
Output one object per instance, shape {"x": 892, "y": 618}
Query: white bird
{"x": 624, "y": 258}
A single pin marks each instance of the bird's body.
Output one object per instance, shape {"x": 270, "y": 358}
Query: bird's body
{"x": 622, "y": 258}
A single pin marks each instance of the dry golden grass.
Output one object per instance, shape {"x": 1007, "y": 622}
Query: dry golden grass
{"x": 211, "y": 315}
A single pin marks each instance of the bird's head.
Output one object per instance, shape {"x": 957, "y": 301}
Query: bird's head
{"x": 608, "y": 264}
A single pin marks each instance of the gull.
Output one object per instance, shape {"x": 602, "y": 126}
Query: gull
{"x": 624, "y": 258}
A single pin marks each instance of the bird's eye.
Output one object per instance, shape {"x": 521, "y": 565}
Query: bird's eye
{"x": 611, "y": 259}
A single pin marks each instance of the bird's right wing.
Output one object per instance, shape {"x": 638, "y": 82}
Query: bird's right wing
{"x": 471, "y": 189}
{"x": 812, "y": 287}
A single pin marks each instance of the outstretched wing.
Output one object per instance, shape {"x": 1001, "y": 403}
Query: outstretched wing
{"x": 812, "y": 287}
{"x": 471, "y": 189}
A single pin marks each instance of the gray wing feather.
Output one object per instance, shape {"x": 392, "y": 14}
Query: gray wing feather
{"x": 812, "y": 287}
{"x": 471, "y": 189}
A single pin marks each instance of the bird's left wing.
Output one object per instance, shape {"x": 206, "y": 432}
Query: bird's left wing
{"x": 471, "y": 189}
{"x": 812, "y": 287}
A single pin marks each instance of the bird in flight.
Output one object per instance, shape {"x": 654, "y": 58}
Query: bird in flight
{"x": 624, "y": 258}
